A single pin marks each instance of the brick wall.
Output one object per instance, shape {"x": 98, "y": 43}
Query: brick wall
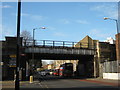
{"x": 118, "y": 46}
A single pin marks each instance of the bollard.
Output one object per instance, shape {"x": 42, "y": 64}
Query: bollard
{"x": 31, "y": 79}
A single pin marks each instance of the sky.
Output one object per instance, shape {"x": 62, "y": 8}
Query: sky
{"x": 64, "y": 21}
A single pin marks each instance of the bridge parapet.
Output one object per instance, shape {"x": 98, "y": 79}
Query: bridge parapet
{"x": 60, "y": 44}
{"x": 49, "y": 50}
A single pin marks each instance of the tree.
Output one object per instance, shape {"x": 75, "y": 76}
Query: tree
{"x": 27, "y": 38}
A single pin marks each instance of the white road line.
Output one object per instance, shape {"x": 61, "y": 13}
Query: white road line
{"x": 43, "y": 83}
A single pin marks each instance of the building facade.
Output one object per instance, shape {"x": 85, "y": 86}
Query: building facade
{"x": 110, "y": 40}
{"x": 118, "y": 46}
{"x": 9, "y": 57}
{"x": 48, "y": 66}
{"x": 105, "y": 51}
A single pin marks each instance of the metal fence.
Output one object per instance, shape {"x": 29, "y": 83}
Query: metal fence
{"x": 111, "y": 67}
{"x": 60, "y": 43}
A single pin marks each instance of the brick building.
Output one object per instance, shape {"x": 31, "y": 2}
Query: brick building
{"x": 104, "y": 52}
{"x": 9, "y": 57}
{"x": 118, "y": 46}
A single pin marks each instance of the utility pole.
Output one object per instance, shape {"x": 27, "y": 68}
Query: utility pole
{"x": 18, "y": 47}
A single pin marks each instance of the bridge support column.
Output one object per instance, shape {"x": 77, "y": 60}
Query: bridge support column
{"x": 96, "y": 66}
{"x": 81, "y": 68}
{"x": 38, "y": 63}
{"x": 23, "y": 60}
{"x": 27, "y": 70}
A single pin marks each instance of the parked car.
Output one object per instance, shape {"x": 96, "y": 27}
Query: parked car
{"x": 51, "y": 71}
{"x": 42, "y": 73}
{"x": 47, "y": 72}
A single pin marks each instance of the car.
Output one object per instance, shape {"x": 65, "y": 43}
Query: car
{"x": 47, "y": 72}
{"x": 51, "y": 71}
{"x": 42, "y": 73}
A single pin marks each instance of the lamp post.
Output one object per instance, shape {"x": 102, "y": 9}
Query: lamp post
{"x": 34, "y": 33}
{"x": 106, "y": 18}
{"x": 34, "y": 43}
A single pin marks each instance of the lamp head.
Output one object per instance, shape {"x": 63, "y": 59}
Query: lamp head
{"x": 43, "y": 28}
{"x": 105, "y": 18}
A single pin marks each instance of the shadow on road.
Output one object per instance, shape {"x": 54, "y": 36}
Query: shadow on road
{"x": 51, "y": 78}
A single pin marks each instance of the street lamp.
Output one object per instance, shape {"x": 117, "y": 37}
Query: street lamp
{"x": 34, "y": 43}
{"x": 106, "y": 18}
{"x": 34, "y": 33}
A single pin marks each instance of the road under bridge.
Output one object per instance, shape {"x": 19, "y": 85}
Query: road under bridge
{"x": 84, "y": 55}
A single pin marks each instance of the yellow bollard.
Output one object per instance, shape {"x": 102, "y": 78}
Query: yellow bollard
{"x": 31, "y": 79}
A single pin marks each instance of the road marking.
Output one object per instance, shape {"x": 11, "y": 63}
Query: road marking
{"x": 40, "y": 85}
{"x": 43, "y": 83}
{"x": 100, "y": 82}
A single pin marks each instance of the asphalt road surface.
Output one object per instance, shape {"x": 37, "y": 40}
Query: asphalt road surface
{"x": 56, "y": 83}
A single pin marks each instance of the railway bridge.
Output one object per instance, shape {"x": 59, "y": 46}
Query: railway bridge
{"x": 63, "y": 50}
{"x": 58, "y": 50}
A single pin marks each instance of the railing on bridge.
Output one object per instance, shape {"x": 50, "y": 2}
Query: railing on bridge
{"x": 60, "y": 47}
{"x": 50, "y": 43}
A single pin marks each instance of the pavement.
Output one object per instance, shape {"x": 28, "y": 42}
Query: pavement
{"x": 103, "y": 81}
{"x": 10, "y": 85}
